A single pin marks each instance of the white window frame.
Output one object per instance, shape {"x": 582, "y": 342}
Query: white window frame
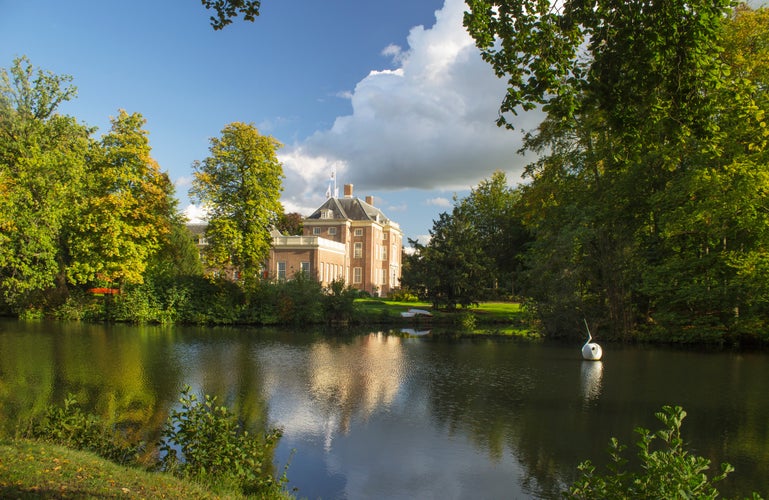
{"x": 357, "y": 252}
{"x": 305, "y": 267}
{"x": 358, "y": 231}
{"x": 332, "y": 231}
{"x": 357, "y": 275}
{"x": 316, "y": 231}
{"x": 282, "y": 270}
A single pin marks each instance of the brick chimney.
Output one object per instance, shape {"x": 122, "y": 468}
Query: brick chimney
{"x": 370, "y": 200}
{"x": 348, "y": 190}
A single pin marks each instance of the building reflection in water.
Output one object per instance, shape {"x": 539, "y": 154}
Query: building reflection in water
{"x": 344, "y": 382}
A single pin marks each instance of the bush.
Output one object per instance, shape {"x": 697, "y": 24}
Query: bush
{"x": 338, "y": 303}
{"x": 403, "y": 295}
{"x": 669, "y": 472}
{"x": 204, "y": 441}
{"x": 69, "y": 426}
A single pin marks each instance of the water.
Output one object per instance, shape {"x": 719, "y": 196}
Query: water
{"x": 376, "y": 415}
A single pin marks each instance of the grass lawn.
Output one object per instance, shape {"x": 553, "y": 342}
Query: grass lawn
{"x": 489, "y": 318}
{"x": 29, "y": 469}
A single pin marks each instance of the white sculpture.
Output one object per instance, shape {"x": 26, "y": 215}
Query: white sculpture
{"x": 591, "y": 351}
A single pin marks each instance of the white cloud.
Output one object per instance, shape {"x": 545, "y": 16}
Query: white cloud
{"x": 194, "y": 213}
{"x": 428, "y": 124}
{"x": 395, "y": 52}
{"x": 439, "y": 202}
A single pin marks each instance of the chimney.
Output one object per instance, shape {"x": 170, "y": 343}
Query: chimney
{"x": 370, "y": 200}
{"x": 348, "y": 190}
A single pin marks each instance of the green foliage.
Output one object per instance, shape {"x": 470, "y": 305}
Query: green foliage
{"x": 70, "y": 426}
{"x": 667, "y": 469}
{"x": 240, "y": 184}
{"x": 300, "y": 300}
{"x": 126, "y": 214}
{"x": 451, "y": 269}
{"x": 646, "y": 204}
{"x": 338, "y": 301}
{"x": 42, "y": 169}
{"x": 227, "y": 10}
{"x": 403, "y": 295}
{"x": 73, "y": 210}
{"x": 204, "y": 441}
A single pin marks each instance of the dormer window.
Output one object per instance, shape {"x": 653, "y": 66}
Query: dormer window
{"x": 326, "y": 214}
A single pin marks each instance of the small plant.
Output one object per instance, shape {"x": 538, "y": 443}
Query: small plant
{"x": 466, "y": 321}
{"x": 669, "y": 472}
{"x": 204, "y": 441}
{"x": 71, "y": 427}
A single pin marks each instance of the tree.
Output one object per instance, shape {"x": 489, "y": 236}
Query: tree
{"x": 290, "y": 224}
{"x": 451, "y": 267}
{"x": 646, "y": 136}
{"x": 240, "y": 185}
{"x": 226, "y": 10}
{"x": 491, "y": 207}
{"x": 42, "y": 167}
{"x": 127, "y": 211}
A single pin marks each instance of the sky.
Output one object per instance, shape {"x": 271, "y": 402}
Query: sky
{"x": 392, "y": 96}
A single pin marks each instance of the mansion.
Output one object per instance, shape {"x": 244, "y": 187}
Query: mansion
{"x": 345, "y": 238}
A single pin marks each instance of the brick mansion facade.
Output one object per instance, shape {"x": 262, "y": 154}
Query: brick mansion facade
{"x": 345, "y": 238}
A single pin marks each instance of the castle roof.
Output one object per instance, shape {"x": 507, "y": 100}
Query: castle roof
{"x": 349, "y": 209}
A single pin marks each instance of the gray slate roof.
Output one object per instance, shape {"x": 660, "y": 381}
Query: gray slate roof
{"x": 350, "y": 209}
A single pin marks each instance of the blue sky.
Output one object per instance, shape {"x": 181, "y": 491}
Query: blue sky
{"x": 393, "y": 95}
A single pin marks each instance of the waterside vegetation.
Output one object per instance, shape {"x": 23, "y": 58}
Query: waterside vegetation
{"x": 203, "y": 452}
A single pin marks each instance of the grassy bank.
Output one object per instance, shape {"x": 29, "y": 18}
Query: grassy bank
{"x": 487, "y": 318}
{"x": 29, "y": 469}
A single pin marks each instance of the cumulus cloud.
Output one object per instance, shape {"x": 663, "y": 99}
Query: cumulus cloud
{"x": 439, "y": 202}
{"x": 427, "y": 124}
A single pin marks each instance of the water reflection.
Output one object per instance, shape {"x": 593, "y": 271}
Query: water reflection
{"x": 394, "y": 416}
{"x": 591, "y": 373}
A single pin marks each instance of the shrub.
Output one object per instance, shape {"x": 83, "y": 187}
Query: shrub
{"x": 71, "y": 427}
{"x": 669, "y": 472}
{"x": 338, "y": 302}
{"x": 204, "y": 441}
{"x": 403, "y": 295}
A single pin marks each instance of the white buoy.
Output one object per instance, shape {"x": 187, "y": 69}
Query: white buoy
{"x": 591, "y": 351}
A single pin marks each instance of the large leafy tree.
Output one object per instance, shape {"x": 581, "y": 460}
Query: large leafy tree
{"x": 648, "y": 134}
{"x": 451, "y": 269}
{"x": 126, "y": 214}
{"x": 42, "y": 168}
{"x": 240, "y": 184}
{"x": 492, "y": 209}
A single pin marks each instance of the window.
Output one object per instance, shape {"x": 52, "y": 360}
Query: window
{"x": 384, "y": 276}
{"x": 357, "y": 275}
{"x": 316, "y": 231}
{"x": 384, "y": 236}
{"x": 358, "y": 231}
{"x": 332, "y": 230}
{"x": 281, "y": 271}
{"x": 327, "y": 214}
{"x": 306, "y": 268}
{"x": 384, "y": 252}
{"x": 357, "y": 250}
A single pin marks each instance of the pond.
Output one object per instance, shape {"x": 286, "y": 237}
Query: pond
{"x": 382, "y": 415}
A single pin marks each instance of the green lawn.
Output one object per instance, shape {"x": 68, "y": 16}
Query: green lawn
{"x": 489, "y": 318}
{"x": 29, "y": 469}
